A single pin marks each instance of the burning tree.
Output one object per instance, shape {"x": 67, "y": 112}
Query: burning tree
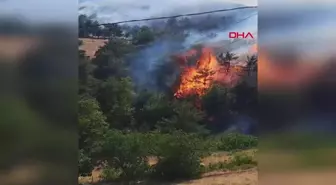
{"x": 197, "y": 79}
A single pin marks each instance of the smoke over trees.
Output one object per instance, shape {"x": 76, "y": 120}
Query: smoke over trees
{"x": 147, "y": 118}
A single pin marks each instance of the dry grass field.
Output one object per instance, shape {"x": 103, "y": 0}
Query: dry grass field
{"x": 90, "y": 46}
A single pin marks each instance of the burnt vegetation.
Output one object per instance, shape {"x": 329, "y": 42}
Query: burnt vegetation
{"x": 122, "y": 125}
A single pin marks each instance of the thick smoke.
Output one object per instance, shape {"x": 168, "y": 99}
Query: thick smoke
{"x": 145, "y": 61}
{"x": 211, "y": 30}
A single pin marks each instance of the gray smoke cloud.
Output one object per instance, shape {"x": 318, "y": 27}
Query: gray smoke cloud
{"x": 148, "y": 58}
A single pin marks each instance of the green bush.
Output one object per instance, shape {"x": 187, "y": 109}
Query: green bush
{"x": 238, "y": 161}
{"x": 180, "y": 156}
{"x": 127, "y": 153}
{"x": 235, "y": 141}
{"x": 242, "y": 159}
{"x": 111, "y": 174}
{"x": 85, "y": 165}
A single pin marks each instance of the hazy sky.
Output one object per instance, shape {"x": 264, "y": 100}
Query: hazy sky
{"x": 41, "y": 10}
{"x": 117, "y": 10}
{"x": 46, "y": 10}
{"x": 67, "y": 10}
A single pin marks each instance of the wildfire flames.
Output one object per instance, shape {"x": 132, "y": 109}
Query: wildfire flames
{"x": 196, "y": 80}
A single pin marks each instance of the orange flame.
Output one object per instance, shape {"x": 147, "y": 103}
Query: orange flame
{"x": 196, "y": 80}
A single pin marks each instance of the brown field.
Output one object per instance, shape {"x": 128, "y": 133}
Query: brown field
{"x": 13, "y": 47}
{"x": 244, "y": 177}
{"x": 90, "y": 46}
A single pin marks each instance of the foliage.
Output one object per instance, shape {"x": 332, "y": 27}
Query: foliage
{"x": 91, "y": 124}
{"x": 186, "y": 118}
{"x": 111, "y": 174}
{"x": 87, "y": 27}
{"x": 219, "y": 100}
{"x": 237, "y": 162}
{"x": 235, "y": 141}
{"x": 109, "y": 60}
{"x": 218, "y": 106}
{"x": 154, "y": 109}
{"x": 85, "y": 165}
{"x": 143, "y": 36}
{"x": 241, "y": 159}
{"x": 125, "y": 152}
{"x": 116, "y": 99}
{"x": 180, "y": 156}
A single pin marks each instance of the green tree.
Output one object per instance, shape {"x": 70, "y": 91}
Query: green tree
{"x": 143, "y": 36}
{"x": 92, "y": 128}
{"x": 246, "y": 98}
{"x": 151, "y": 109}
{"x": 218, "y": 106}
{"x": 87, "y": 83}
{"x": 180, "y": 156}
{"x": 92, "y": 124}
{"x": 126, "y": 152}
{"x": 116, "y": 99}
{"x": 186, "y": 118}
{"x": 109, "y": 59}
{"x": 85, "y": 164}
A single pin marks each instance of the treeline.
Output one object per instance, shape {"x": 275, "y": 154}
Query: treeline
{"x": 121, "y": 127}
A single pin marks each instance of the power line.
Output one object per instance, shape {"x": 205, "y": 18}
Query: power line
{"x": 182, "y": 15}
{"x": 241, "y": 20}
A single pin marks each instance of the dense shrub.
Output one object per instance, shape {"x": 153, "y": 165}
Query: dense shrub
{"x": 235, "y": 141}
{"x": 85, "y": 165}
{"x": 111, "y": 174}
{"x": 126, "y": 152}
{"x": 241, "y": 159}
{"x": 238, "y": 161}
{"x": 180, "y": 156}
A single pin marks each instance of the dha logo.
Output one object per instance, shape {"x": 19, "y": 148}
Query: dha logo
{"x": 244, "y": 35}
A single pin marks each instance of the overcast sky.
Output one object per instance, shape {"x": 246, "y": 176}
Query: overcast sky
{"x": 67, "y": 10}
{"x": 46, "y": 10}
{"x": 118, "y": 10}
